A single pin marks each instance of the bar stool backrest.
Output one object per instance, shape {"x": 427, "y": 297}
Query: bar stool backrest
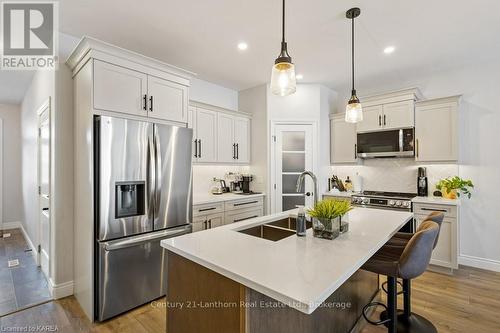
{"x": 417, "y": 253}
{"x": 437, "y": 217}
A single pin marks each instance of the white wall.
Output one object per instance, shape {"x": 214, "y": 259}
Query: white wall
{"x": 213, "y": 94}
{"x": 203, "y": 176}
{"x": 480, "y": 160}
{"x": 11, "y": 177}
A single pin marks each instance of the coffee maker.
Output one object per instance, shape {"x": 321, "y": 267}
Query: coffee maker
{"x": 422, "y": 186}
{"x": 245, "y": 183}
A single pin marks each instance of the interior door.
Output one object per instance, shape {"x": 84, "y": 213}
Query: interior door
{"x": 206, "y": 134}
{"x": 44, "y": 189}
{"x": 293, "y": 152}
{"x": 225, "y": 138}
{"x": 372, "y": 119}
{"x": 173, "y": 195}
{"x": 242, "y": 139}
{"x": 167, "y": 100}
{"x": 119, "y": 89}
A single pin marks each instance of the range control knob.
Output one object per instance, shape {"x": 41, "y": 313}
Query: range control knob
{"x": 406, "y": 204}
{"x": 366, "y": 201}
{"x": 398, "y": 203}
{"x": 355, "y": 200}
{"x": 392, "y": 202}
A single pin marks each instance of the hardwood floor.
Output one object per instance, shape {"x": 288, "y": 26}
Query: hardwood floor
{"x": 468, "y": 301}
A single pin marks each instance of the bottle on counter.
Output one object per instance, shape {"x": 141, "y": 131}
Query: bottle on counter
{"x": 301, "y": 223}
{"x": 358, "y": 183}
{"x": 348, "y": 184}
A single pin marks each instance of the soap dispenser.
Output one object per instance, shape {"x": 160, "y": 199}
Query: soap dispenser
{"x": 301, "y": 222}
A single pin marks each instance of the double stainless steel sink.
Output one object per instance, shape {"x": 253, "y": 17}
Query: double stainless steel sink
{"x": 275, "y": 230}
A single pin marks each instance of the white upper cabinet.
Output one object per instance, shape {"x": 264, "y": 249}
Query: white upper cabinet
{"x": 399, "y": 115}
{"x": 226, "y": 145}
{"x": 205, "y": 135}
{"x": 131, "y": 84}
{"x": 342, "y": 140}
{"x": 372, "y": 119}
{"x": 219, "y": 136}
{"x": 436, "y": 124}
{"x": 167, "y": 100}
{"x": 388, "y": 111}
{"x": 119, "y": 89}
{"x": 242, "y": 139}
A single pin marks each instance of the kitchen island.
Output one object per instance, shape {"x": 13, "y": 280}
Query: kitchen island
{"x": 257, "y": 276}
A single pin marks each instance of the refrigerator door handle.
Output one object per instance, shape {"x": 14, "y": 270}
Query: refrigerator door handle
{"x": 122, "y": 244}
{"x": 150, "y": 177}
{"x": 158, "y": 175}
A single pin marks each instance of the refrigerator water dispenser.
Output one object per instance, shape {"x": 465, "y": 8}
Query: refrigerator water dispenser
{"x": 129, "y": 199}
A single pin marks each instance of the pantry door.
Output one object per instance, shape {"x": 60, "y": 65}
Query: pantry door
{"x": 292, "y": 154}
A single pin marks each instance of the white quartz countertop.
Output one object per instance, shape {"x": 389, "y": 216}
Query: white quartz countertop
{"x": 436, "y": 200}
{"x": 301, "y": 272}
{"x": 200, "y": 199}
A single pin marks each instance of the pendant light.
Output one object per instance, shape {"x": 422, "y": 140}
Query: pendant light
{"x": 283, "y": 82}
{"x": 353, "y": 110}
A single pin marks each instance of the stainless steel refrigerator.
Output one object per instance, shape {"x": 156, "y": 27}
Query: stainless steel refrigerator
{"x": 142, "y": 195}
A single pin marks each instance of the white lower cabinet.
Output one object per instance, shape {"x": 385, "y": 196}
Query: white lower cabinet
{"x": 207, "y": 216}
{"x": 446, "y": 252}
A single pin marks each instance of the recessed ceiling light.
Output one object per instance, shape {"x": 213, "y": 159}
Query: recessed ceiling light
{"x": 389, "y": 49}
{"x": 299, "y": 77}
{"x": 242, "y": 46}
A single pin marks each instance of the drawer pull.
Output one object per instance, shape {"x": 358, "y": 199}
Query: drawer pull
{"x": 246, "y": 218}
{"x": 207, "y": 209}
{"x": 435, "y": 210}
{"x": 244, "y": 203}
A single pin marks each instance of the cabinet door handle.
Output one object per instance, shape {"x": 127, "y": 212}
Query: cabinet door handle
{"x": 246, "y": 218}
{"x": 210, "y": 224}
{"x": 206, "y": 209}
{"x": 355, "y": 151}
{"x": 205, "y": 225}
{"x": 237, "y": 151}
{"x": 196, "y": 148}
{"x": 234, "y": 151}
{"x": 379, "y": 120}
{"x": 145, "y": 99}
{"x": 244, "y": 203}
{"x": 417, "y": 147}
{"x": 434, "y": 210}
{"x": 151, "y": 103}
{"x": 199, "y": 149}
{"x": 384, "y": 120}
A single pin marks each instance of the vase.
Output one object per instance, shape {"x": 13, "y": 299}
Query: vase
{"x": 344, "y": 223}
{"x": 449, "y": 194}
{"x": 326, "y": 228}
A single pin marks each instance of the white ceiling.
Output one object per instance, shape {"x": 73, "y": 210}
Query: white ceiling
{"x": 202, "y": 36}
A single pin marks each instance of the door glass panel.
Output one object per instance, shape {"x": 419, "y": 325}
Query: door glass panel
{"x": 294, "y": 162}
{"x": 289, "y": 184}
{"x": 294, "y": 141}
{"x": 290, "y": 202}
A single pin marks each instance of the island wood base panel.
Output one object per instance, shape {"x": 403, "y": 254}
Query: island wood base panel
{"x": 200, "y": 300}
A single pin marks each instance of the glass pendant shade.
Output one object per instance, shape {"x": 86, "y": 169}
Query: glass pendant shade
{"x": 353, "y": 112}
{"x": 283, "y": 81}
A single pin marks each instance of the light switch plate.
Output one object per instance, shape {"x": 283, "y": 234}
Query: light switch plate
{"x": 6, "y": 235}
{"x": 13, "y": 263}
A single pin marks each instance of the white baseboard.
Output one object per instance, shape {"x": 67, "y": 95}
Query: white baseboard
{"x": 61, "y": 290}
{"x": 34, "y": 249}
{"x": 482, "y": 263}
{"x": 10, "y": 225}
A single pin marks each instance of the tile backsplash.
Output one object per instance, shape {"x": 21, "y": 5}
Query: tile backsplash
{"x": 203, "y": 175}
{"x": 395, "y": 174}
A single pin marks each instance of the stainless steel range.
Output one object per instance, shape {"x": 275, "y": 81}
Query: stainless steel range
{"x": 386, "y": 200}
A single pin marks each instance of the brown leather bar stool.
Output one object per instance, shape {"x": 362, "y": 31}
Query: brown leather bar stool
{"x": 406, "y": 263}
{"x": 406, "y": 318}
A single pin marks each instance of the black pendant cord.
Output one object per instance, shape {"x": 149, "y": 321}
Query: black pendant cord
{"x": 283, "y": 24}
{"x": 352, "y": 55}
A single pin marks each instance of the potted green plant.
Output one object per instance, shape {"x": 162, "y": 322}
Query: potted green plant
{"x": 327, "y": 218}
{"x": 452, "y": 187}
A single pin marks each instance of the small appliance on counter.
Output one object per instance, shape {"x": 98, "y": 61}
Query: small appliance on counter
{"x": 422, "y": 183}
{"x": 245, "y": 183}
{"x": 219, "y": 186}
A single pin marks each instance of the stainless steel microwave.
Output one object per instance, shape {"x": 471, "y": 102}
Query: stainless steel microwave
{"x": 389, "y": 143}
